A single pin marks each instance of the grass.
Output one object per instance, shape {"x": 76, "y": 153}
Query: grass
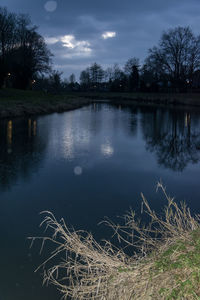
{"x": 165, "y": 260}
{"x": 14, "y": 103}
{"x": 182, "y": 263}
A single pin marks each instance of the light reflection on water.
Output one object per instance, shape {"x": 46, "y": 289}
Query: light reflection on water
{"x": 84, "y": 165}
{"x": 106, "y": 149}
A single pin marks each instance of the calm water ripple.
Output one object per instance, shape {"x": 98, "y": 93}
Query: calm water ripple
{"x": 83, "y": 165}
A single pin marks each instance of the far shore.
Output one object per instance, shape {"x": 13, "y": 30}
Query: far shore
{"x": 161, "y": 99}
{"x": 18, "y": 103}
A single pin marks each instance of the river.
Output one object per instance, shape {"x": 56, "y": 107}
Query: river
{"x": 84, "y": 165}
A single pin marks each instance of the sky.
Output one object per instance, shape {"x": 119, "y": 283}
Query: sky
{"x": 81, "y": 32}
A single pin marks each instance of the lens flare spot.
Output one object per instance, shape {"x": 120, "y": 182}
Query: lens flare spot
{"x": 50, "y": 6}
{"x": 78, "y": 170}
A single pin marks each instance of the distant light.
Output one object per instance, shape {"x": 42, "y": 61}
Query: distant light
{"x": 50, "y": 6}
{"x": 9, "y": 74}
{"x": 78, "y": 170}
{"x": 34, "y": 81}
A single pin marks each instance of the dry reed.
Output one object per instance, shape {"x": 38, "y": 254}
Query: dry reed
{"x": 90, "y": 270}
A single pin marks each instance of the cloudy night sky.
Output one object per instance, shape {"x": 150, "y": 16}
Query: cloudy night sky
{"x": 80, "y": 32}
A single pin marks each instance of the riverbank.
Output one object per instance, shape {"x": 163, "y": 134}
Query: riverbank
{"x": 19, "y": 103}
{"x": 167, "y": 99}
{"x": 163, "y": 261}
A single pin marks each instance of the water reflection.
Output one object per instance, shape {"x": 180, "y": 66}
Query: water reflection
{"x": 34, "y": 127}
{"x": 187, "y": 120}
{"x": 68, "y": 139}
{"x": 9, "y": 137}
{"x": 174, "y": 136}
{"x": 23, "y": 152}
{"x": 90, "y": 163}
{"x": 29, "y": 128}
{"x": 106, "y": 149}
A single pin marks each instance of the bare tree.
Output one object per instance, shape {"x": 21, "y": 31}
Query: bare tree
{"x": 85, "y": 79}
{"x": 72, "y": 79}
{"x": 96, "y": 74}
{"x": 7, "y": 38}
{"x": 130, "y": 65}
{"x": 131, "y": 69}
{"x": 177, "y": 56}
{"x": 30, "y": 54}
{"x": 23, "y": 52}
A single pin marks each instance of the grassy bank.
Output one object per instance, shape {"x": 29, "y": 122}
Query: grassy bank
{"x": 16, "y": 103}
{"x": 165, "y": 260}
{"x": 168, "y": 99}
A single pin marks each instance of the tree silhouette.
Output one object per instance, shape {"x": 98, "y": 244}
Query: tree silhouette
{"x": 177, "y": 56}
{"x": 23, "y": 52}
{"x": 7, "y": 40}
{"x": 172, "y": 137}
{"x": 131, "y": 68}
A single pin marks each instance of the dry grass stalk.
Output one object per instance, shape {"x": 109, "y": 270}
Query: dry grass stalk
{"x": 94, "y": 271}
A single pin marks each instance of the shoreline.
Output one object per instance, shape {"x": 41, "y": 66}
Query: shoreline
{"x": 23, "y": 110}
{"x": 163, "y": 262}
{"x": 15, "y": 103}
{"x": 166, "y": 100}
{"x": 18, "y": 103}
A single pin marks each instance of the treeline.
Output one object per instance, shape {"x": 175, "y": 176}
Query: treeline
{"x": 172, "y": 65}
{"x": 23, "y": 52}
{"x": 130, "y": 78}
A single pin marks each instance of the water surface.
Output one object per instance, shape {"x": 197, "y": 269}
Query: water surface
{"x": 83, "y": 165}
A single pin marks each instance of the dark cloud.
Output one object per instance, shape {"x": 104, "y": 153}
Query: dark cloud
{"x": 77, "y": 27}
